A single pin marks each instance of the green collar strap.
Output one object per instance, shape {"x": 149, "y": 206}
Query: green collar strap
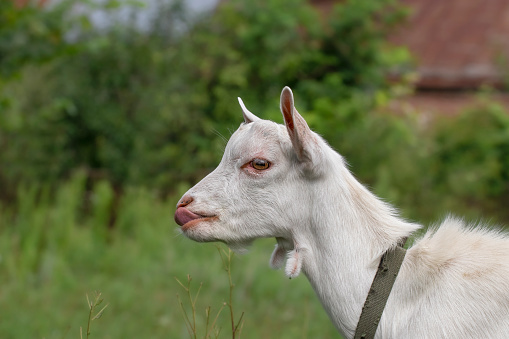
{"x": 379, "y": 292}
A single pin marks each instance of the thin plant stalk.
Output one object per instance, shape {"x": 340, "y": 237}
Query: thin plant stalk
{"x": 227, "y": 258}
{"x": 211, "y": 328}
{"x": 190, "y": 321}
{"x": 92, "y": 306}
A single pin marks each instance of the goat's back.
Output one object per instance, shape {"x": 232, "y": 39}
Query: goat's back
{"x": 454, "y": 283}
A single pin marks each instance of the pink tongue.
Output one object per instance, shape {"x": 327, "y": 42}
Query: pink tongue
{"x": 183, "y": 216}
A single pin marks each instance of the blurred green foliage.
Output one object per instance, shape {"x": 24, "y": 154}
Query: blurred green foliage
{"x": 145, "y": 106}
{"x": 53, "y": 252}
{"x": 474, "y": 148}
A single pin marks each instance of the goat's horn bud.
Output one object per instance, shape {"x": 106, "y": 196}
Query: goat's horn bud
{"x": 248, "y": 116}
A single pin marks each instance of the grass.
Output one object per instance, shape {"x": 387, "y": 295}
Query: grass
{"x": 210, "y": 328}
{"x": 92, "y": 305}
{"x": 53, "y": 252}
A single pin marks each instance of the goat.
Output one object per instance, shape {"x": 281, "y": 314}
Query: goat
{"x": 286, "y": 182}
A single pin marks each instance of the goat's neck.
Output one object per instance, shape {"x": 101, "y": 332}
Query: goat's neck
{"x": 342, "y": 245}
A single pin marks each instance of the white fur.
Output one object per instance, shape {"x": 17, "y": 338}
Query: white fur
{"x": 454, "y": 281}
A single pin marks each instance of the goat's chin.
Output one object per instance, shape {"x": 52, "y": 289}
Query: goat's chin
{"x": 204, "y": 230}
{"x": 201, "y": 230}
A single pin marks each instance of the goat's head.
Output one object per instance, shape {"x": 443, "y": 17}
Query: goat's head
{"x": 260, "y": 188}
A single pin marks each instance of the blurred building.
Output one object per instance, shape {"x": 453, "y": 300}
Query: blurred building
{"x": 22, "y": 3}
{"x": 459, "y": 46}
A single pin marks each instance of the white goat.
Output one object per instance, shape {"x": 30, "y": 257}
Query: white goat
{"x": 287, "y": 183}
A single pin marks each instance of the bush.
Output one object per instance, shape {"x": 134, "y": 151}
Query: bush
{"x": 471, "y": 160}
{"x": 144, "y": 106}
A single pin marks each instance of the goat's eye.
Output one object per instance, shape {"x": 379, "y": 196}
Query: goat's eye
{"x": 260, "y": 164}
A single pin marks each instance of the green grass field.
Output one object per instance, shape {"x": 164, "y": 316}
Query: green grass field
{"x": 53, "y": 252}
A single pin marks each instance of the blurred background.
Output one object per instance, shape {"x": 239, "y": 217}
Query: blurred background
{"x": 110, "y": 110}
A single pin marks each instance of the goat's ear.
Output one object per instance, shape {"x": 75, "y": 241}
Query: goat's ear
{"x": 248, "y": 116}
{"x": 296, "y": 126}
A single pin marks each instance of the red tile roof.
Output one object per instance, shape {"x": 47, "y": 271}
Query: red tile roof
{"x": 22, "y": 3}
{"x": 458, "y": 43}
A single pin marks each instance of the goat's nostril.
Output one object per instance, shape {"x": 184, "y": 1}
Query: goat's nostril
{"x": 186, "y": 200}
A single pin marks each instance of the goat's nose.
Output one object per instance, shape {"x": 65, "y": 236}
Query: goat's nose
{"x": 185, "y": 200}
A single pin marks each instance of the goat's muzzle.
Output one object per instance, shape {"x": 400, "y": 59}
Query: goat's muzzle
{"x": 187, "y": 219}
{"x": 183, "y": 216}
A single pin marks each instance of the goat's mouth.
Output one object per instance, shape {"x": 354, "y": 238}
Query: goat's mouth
{"x": 187, "y": 219}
